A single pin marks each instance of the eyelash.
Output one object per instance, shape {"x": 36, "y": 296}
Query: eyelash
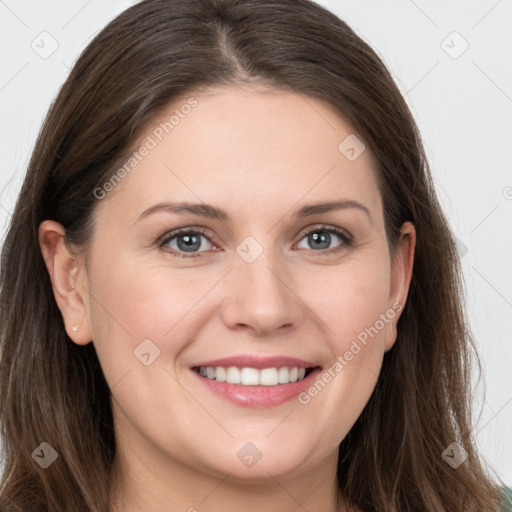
{"x": 167, "y": 237}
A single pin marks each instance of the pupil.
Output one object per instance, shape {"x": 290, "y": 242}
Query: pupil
{"x": 189, "y": 242}
{"x": 324, "y": 237}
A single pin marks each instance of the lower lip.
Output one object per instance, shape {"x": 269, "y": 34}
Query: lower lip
{"x": 258, "y": 396}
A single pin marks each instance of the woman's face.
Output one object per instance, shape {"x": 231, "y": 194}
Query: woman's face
{"x": 258, "y": 275}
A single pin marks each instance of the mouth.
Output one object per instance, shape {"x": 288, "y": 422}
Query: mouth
{"x": 256, "y": 384}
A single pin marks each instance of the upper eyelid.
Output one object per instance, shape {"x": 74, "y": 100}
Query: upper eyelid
{"x": 170, "y": 235}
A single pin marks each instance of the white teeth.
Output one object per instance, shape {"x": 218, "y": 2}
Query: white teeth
{"x": 220, "y": 374}
{"x": 283, "y": 376}
{"x": 248, "y": 376}
{"x": 233, "y": 375}
{"x": 268, "y": 377}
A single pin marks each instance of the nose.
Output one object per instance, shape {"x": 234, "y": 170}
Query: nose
{"x": 259, "y": 297}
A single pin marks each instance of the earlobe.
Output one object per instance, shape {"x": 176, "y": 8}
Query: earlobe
{"x": 391, "y": 335}
{"x": 64, "y": 271}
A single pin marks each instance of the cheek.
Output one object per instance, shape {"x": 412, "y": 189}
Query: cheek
{"x": 349, "y": 300}
{"x": 133, "y": 302}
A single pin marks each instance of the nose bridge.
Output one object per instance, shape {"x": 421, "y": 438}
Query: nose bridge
{"x": 264, "y": 273}
{"x": 260, "y": 269}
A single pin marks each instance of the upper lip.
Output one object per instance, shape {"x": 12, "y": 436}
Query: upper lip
{"x": 257, "y": 362}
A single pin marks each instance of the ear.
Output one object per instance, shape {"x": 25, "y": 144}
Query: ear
{"x": 69, "y": 281}
{"x": 401, "y": 273}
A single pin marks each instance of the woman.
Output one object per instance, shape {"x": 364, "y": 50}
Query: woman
{"x": 188, "y": 345}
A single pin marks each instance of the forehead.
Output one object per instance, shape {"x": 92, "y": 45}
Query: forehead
{"x": 246, "y": 146}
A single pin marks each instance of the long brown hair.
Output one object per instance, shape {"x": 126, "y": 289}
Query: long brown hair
{"x": 54, "y": 391}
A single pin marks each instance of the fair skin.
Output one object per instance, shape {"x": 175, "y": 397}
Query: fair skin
{"x": 260, "y": 155}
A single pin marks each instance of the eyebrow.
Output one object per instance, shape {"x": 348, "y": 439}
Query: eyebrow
{"x": 212, "y": 212}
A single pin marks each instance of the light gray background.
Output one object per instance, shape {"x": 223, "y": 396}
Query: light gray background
{"x": 463, "y": 106}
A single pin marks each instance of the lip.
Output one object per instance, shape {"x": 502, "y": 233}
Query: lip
{"x": 258, "y": 362}
{"x": 258, "y": 396}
